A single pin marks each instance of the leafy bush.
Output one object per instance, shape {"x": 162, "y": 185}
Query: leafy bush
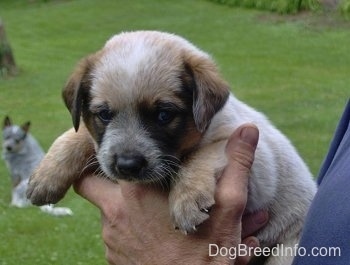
{"x": 345, "y": 8}
{"x": 288, "y": 6}
{"x": 281, "y": 6}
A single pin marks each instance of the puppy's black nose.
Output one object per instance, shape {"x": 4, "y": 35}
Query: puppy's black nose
{"x": 130, "y": 164}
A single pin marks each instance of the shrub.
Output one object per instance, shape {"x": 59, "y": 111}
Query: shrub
{"x": 291, "y": 6}
{"x": 345, "y": 8}
{"x": 281, "y": 6}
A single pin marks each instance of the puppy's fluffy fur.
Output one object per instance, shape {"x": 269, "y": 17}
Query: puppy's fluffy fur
{"x": 155, "y": 109}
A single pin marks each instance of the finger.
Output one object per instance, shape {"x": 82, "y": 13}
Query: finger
{"x": 142, "y": 194}
{"x": 232, "y": 187}
{"x": 251, "y": 243}
{"x": 132, "y": 191}
{"x": 252, "y": 223}
{"x": 240, "y": 151}
{"x": 147, "y": 200}
{"x": 99, "y": 191}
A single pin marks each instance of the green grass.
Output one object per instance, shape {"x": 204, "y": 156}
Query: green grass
{"x": 293, "y": 68}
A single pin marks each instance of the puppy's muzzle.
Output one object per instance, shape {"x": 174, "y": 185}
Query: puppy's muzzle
{"x": 130, "y": 164}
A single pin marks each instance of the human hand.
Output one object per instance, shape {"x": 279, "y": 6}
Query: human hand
{"x": 136, "y": 226}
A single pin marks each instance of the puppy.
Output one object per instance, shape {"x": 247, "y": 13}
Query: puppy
{"x": 22, "y": 154}
{"x": 155, "y": 109}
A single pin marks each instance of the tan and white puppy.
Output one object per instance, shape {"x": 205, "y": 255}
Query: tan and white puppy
{"x": 155, "y": 109}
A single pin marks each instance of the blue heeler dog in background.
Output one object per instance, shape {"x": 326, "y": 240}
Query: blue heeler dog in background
{"x": 22, "y": 154}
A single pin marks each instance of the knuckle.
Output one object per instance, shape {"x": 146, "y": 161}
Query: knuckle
{"x": 112, "y": 215}
{"x": 243, "y": 158}
{"x": 232, "y": 202}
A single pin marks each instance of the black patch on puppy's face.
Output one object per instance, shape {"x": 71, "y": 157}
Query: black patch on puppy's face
{"x": 168, "y": 123}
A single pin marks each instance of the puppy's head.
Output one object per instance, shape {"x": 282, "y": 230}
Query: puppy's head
{"x": 146, "y": 98}
{"x": 14, "y": 136}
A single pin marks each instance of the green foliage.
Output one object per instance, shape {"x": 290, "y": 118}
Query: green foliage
{"x": 280, "y": 6}
{"x": 293, "y": 68}
{"x": 345, "y": 8}
{"x": 287, "y": 6}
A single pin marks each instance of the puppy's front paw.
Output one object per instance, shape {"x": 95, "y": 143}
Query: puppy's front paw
{"x": 190, "y": 208}
{"x": 43, "y": 189}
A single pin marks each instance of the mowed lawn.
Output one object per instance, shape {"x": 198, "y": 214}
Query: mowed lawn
{"x": 296, "y": 69}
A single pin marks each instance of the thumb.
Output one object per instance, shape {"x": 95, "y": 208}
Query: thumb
{"x": 232, "y": 187}
{"x": 241, "y": 147}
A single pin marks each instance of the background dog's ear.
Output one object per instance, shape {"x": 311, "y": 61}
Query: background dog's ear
{"x": 25, "y": 127}
{"x": 7, "y": 122}
{"x": 211, "y": 91}
{"x": 76, "y": 90}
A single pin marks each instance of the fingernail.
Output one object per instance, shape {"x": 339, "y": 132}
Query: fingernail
{"x": 250, "y": 135}
{"x": 252, "y": 243}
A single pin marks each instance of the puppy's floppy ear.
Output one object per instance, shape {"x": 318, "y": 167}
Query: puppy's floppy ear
{"x": 76, "y": 90}
{"x": 210, "y": 91}
{"x": 7, "y": 122}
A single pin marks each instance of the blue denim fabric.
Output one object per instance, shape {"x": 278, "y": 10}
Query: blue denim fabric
{"x": 327, "y": 227}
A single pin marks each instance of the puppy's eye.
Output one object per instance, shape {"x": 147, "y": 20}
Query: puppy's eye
{"x": 165, "y": 116}
{"x": 105, "y": 116}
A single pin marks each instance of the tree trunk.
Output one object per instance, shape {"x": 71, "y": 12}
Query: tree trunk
{"x": 7, "y": 60}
